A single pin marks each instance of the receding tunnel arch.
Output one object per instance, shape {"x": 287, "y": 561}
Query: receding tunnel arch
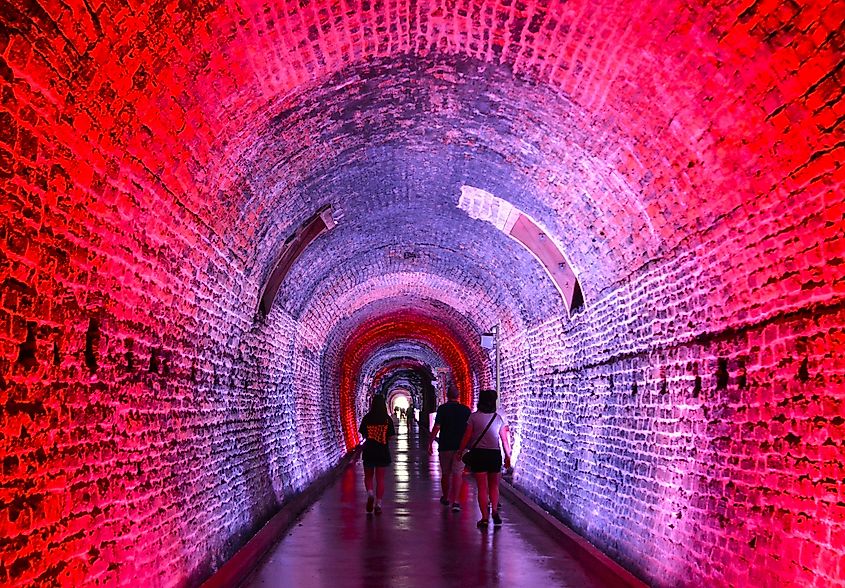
{"x": 401, "y": 399}
{"x": 468, "y": 298}
{"x": 407, "y": 363}
{"x": 453, "y": 340}
{"x": 408, "y": 376}
{"x": 386, "y": 373}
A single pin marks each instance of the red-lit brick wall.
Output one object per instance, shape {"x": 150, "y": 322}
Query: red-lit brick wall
{"x": 122, "y": 414}
{"x": 147, "y": 428}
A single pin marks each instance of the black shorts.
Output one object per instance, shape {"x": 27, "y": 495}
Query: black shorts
{"x": 376, "y": 463}
{"x": 375, "y": 455}
{"x": 487, "y": 460}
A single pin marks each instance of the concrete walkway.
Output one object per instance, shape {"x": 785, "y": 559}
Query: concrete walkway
{"x": 416, "y": 542}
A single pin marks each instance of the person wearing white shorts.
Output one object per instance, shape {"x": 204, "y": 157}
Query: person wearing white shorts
{"x": 450, "y": 423}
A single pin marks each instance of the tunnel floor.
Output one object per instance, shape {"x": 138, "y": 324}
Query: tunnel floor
{"x": 416, "y": 541}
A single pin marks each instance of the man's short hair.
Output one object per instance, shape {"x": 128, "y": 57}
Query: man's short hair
{"x": 452, "y": 391}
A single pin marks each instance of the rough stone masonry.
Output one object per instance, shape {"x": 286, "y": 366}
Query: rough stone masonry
{"x": 156, "y": 158}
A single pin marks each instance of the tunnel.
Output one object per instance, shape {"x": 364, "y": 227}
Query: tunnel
{"x": 226, "y": 223}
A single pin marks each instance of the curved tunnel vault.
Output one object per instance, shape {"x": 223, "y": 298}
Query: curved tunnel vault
{"x": 684, "y": 158}
{"x": 373, "y": 330}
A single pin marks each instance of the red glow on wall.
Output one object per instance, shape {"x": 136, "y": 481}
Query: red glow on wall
{"x": 400, "y": 325}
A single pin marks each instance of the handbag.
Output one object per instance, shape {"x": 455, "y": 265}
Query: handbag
{"x": 468, "y": 457}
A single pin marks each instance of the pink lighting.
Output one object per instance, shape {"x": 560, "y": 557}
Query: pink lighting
{"x": 544, "y": 249}
{"x": 481, "y": 204}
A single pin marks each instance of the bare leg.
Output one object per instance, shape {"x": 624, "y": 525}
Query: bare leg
{"x": 379, "y": 484}
{"x": 444, "y": 481}
{"x": 493, "y": 488}
{"x": 368, "y": 479}
{"x": 481, "y": 480}
{"x": 457, "y": 480}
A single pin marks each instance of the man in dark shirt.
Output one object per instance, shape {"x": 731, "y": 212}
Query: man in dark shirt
{"x": 450, "y": 422}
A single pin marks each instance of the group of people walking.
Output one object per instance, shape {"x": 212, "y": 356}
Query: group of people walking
{"x": 483, "y": 433}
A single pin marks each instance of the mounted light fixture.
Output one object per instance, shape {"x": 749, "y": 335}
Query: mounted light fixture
{"x": 318, "y": 223}
{"x": 490, "y": 340}
{"x": 483, "y": 205}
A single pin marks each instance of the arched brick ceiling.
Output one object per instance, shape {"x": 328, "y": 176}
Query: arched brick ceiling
{"x": 402, "y": 137}
{"x": 607, "y": 122}
{"x": 449, "y": 321}
{"x": 398, "y": 356}
{"x": 486, "y": 277}
{"x": 341, "y": 295}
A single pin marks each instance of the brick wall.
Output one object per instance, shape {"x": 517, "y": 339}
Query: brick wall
{"x": 697, "y": 447}
{"x": 147, "y": 427}
{"x": 155, "y": 156}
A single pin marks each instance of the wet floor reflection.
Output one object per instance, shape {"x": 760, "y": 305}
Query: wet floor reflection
{"x": 415, "y": 542}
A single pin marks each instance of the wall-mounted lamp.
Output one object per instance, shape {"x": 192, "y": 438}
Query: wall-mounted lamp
{"x": 442, "y": 377}
{"x": 491, "y": 341}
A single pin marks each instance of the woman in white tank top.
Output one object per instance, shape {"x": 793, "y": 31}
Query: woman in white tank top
{"x": 485, "y": 429}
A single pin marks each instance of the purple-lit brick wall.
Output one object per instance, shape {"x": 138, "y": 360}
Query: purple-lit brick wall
{"x": 692, "y": 455}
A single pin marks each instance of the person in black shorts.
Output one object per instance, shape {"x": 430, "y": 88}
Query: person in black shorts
{"x": 376, "y": 428}
{"x": 487, "y": 427}
{"x": 450, "y": 422}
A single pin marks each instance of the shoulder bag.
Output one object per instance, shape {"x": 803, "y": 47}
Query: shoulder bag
{"x": 468, "y": 458}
